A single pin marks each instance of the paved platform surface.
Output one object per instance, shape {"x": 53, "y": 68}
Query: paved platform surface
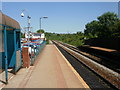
{"x": 51, "y": 70}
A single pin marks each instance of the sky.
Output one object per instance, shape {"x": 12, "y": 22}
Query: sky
{"x": 60, "y": 0}
{"x": 63, "y": 17}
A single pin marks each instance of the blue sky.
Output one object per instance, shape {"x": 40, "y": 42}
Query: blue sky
{"x": 63, "y": 17}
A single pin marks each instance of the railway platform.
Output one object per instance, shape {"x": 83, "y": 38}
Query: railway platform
{"x": 51, "y": 70}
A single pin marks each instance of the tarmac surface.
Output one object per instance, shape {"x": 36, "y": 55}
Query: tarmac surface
{"x": 51, "y": 70}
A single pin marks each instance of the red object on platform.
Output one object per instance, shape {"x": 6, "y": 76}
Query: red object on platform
{"x": 26, "y": 57}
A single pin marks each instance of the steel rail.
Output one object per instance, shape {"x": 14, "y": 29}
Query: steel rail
{"x": 97, "y": 58}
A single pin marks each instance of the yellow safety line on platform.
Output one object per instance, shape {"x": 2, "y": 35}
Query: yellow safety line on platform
{"x": 74, "y": 71}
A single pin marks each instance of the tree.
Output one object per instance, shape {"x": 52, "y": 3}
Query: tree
{"x": 40, "y": 31}
{"x": 105, "y": 26}
{"x": 22, "y": 35}
{"x": 115, "y": 29}
{"x": 92, "y": 29}
{"x": 75, "y": 39}
{"x": 107, "y": 21}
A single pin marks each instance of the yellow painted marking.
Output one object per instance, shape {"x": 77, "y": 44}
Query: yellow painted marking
{"x": 74, "y": 71}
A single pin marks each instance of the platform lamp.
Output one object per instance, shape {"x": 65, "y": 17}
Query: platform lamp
{"x": 45, "y": 17}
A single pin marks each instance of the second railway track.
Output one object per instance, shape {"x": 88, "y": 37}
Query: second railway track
{"x": 109, "y": 75}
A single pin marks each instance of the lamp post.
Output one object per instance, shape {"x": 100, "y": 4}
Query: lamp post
{"x": 28, "y": 17}
{"x": 41, "y": 19}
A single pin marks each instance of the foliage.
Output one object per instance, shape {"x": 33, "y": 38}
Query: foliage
{"x": 107, "y": 26}
{"x": 75, "y": 39}
{"x": 22, "y": 35}
{"x": 40, "y": 31}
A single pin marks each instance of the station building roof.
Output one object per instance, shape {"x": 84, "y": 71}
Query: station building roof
{"x": 8, "y": 21}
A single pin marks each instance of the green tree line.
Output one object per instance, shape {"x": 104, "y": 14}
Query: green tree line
{"x": 75, "y": 39}
{"x": 106, "y": 25}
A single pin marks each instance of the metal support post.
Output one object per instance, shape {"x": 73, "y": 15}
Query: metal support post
{"x": 5, "y": 50}
{"x": 15, "y": 50}
{"x": 40, "y": 23}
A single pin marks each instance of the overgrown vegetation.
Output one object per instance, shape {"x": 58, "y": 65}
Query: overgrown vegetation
{"x": 22, "y": 35}
{"x": 107, "y": 25}
{"x": 40, "y": 31}
{"x": 75, "y": 39}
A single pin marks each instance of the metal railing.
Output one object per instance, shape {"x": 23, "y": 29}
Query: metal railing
{"x": 35, "y": 51}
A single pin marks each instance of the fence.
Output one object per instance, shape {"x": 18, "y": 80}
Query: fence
{"x": 36, "y": 51}
{"x": 30, "y": 51}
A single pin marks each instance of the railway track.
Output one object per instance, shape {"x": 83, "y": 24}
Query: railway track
{"x": 108, "y": 62}
{"x": 106, "y": 73}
